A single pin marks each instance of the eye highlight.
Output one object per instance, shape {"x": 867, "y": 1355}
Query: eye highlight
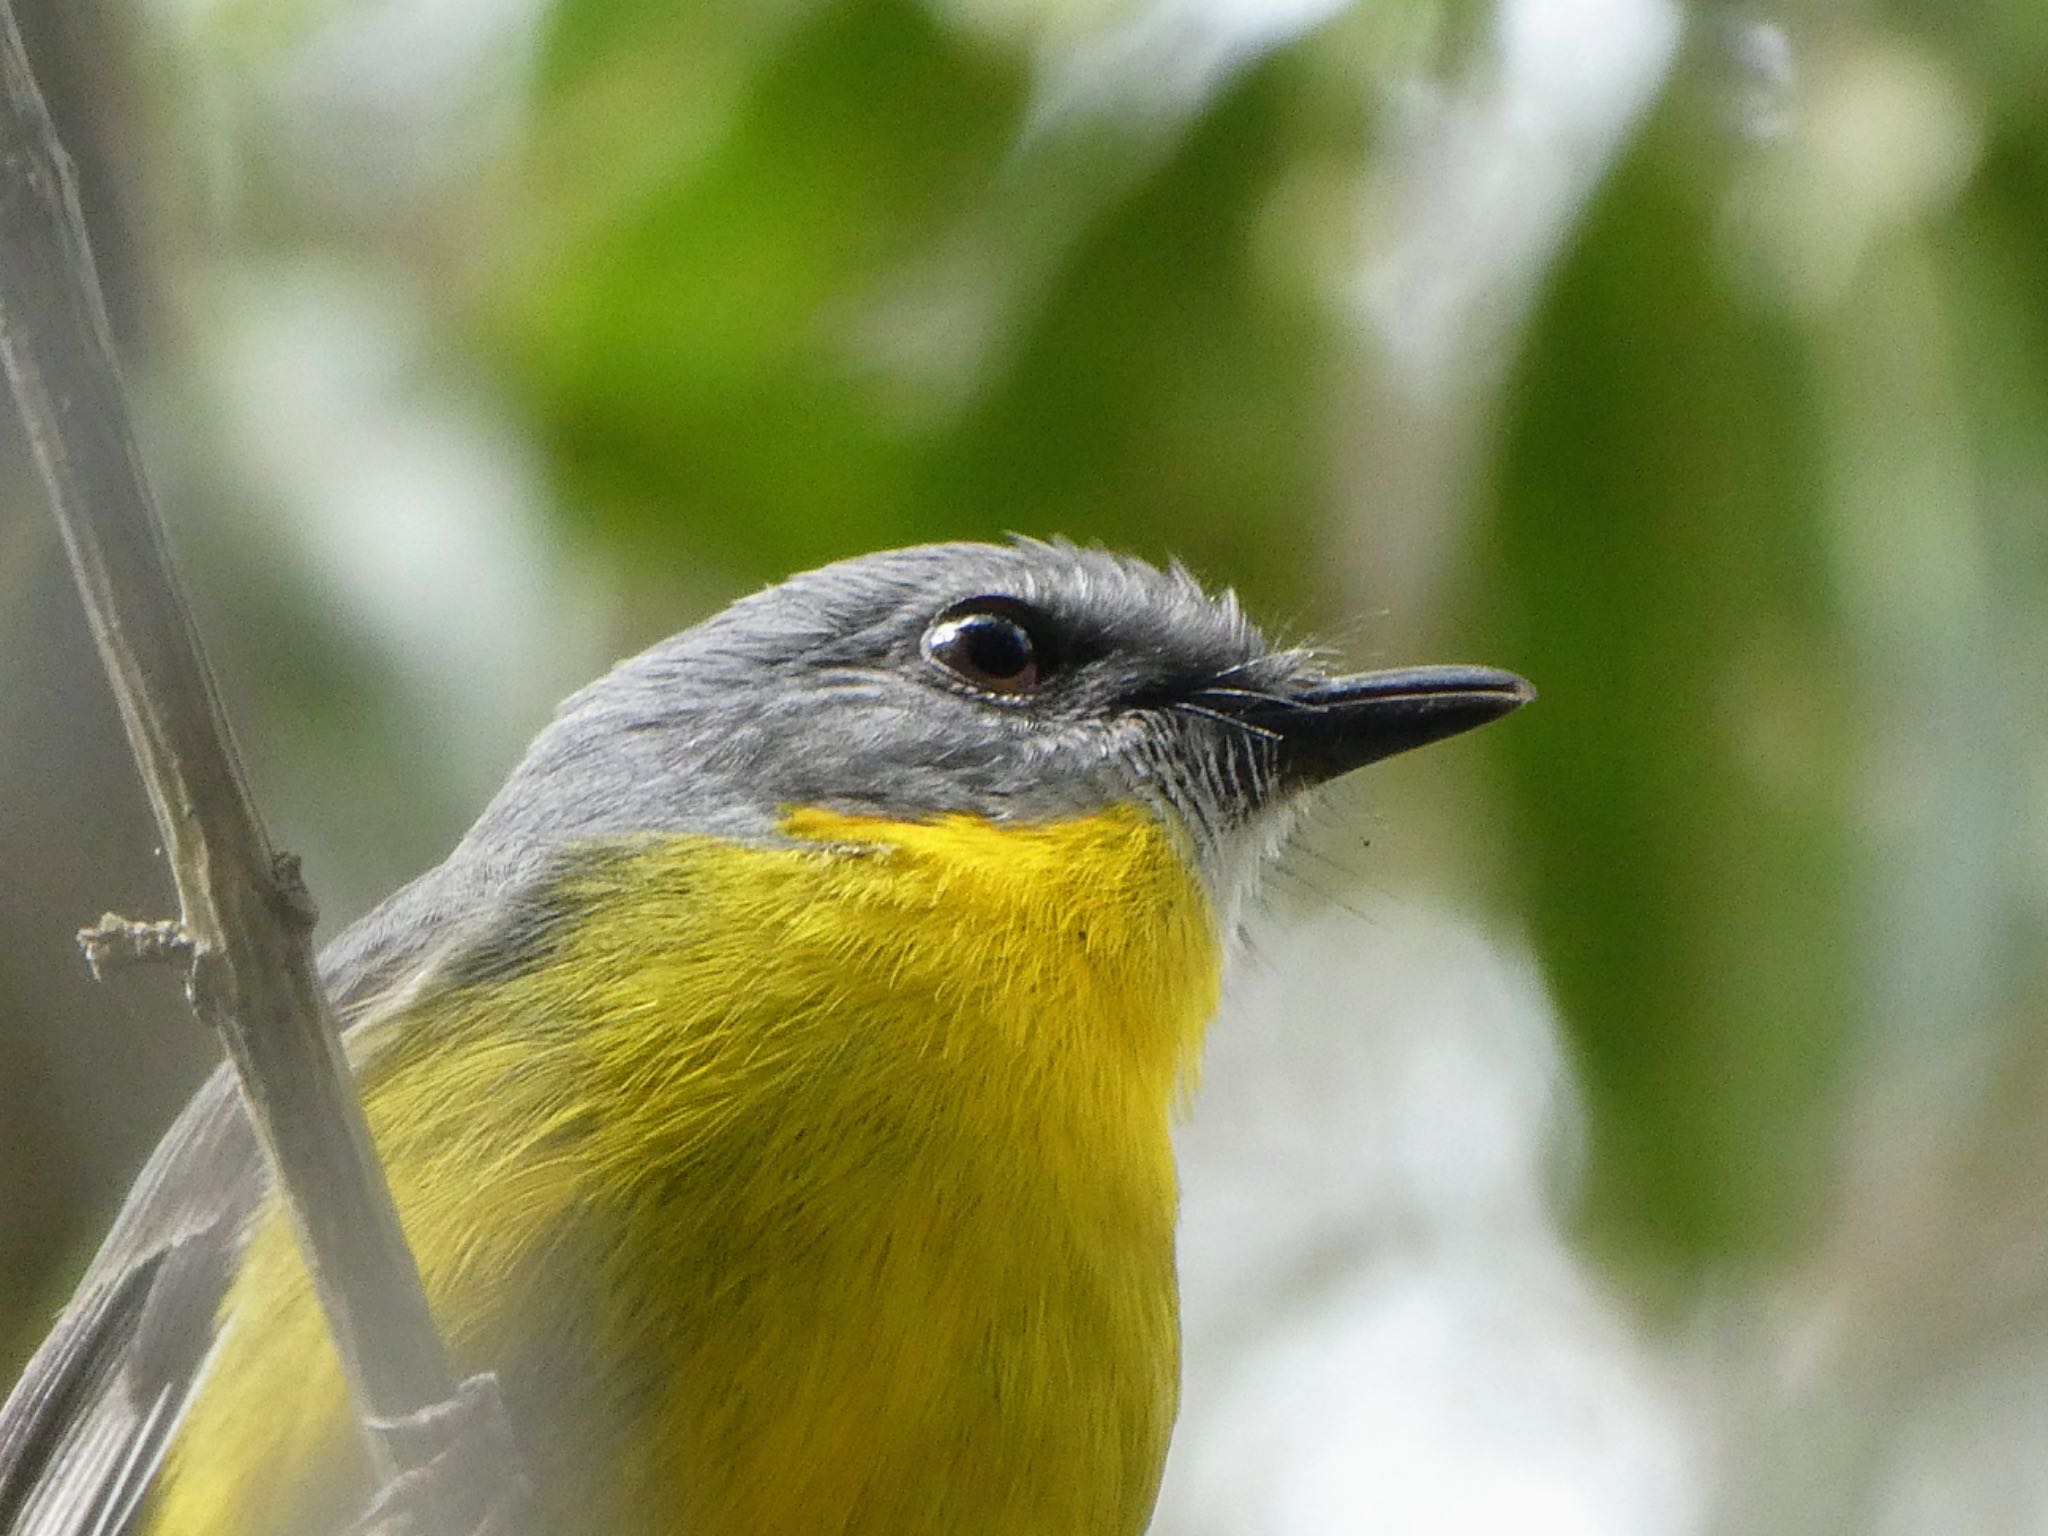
{"x": 993, "y": 644}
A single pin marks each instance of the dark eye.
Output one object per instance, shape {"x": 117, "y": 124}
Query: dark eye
{"x": 992, "y": 644}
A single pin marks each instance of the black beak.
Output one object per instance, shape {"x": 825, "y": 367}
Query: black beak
{"x": 1328, "y": 729}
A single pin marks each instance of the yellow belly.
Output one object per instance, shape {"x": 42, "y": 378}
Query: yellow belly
{"x": 840, "y": 1203}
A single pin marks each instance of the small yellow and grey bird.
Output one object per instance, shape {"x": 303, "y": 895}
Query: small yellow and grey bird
{"x": 775, "y": 1082}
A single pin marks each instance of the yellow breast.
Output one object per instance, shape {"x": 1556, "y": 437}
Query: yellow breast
{"x": 816, "y": 1188}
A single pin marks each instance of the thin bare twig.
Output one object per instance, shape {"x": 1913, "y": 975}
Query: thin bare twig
{"x": 245, "y": 918}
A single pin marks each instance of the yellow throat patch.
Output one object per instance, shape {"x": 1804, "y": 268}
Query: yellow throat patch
{"x": 820, "y": 1187}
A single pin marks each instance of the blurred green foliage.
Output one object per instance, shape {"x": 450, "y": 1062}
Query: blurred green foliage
{"x": 690, "y": 308}
{"x": 1668, "y": 586}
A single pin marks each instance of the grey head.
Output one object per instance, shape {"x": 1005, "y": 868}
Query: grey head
{"x": 1022, "y": 682}
{"x": 1027, "y": 681}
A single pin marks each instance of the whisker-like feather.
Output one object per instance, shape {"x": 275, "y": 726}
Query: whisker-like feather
{"x": 1220, "y": 718}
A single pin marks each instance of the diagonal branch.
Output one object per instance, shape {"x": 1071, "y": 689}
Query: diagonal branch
{"x": 245, "y": 919}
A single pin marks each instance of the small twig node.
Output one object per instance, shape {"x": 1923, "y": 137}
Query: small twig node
{"x": 116, "y": 941}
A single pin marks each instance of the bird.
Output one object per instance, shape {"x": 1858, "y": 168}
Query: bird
{"x": 775, "y": 1082}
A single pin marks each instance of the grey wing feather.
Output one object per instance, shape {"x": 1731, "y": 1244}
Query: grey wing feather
{"x": 85, "y": 1429}
{"x": 91, "y": 1416}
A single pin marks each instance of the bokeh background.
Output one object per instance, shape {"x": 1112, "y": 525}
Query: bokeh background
{"x": 1632, "y": 1119}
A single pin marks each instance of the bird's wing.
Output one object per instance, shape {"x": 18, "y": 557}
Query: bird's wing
{"x": 85, "y": 1429}
{"x": 86, "y": 1426}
